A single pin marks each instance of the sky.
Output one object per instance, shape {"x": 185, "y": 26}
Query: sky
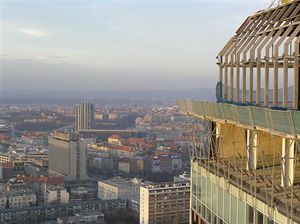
{"x": 90, "y": 45}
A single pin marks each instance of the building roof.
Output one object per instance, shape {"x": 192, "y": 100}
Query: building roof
{"x": 41, "y": 179}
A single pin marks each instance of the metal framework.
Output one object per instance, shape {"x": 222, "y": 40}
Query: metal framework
{"x": 264, "y": 48}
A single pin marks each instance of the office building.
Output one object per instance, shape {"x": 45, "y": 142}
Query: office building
{"x": 67, "y": 156}
{"x": 165, "y": 203}
{"x": 244, "y": 163}
{"x": 84, "y": 116}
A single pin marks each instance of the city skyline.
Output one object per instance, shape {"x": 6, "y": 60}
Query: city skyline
{"x": 115, "y": 45}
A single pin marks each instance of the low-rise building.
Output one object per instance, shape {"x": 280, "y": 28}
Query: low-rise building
{"x": 83, "y": 218}
{"x": 17, "y": 199}
{"x": 40, "y": 185}
{"x": 127, "y": 189}
{"x": 56, "y": 195}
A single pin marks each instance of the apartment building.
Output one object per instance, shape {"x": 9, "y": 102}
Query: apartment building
{"x": 165, "y": 203}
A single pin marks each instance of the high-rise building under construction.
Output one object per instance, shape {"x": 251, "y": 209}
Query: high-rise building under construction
{"x": 245, "y": 160}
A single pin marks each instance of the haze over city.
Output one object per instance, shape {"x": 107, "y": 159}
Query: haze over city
{"x": 116, "y": 44}
{"x": 149, "y": 111}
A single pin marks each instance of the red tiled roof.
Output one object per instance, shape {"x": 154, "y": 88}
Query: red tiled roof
{"x": 41, "y": 180}
{"x": 123, "y": 148}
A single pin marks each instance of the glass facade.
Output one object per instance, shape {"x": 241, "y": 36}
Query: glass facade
{"x": 214, "y": 204}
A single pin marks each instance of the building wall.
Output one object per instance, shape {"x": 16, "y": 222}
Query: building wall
{"x": 17, "y": 199}
{"x": 233, "y": 142}
{"x": 59, "y": 152}
{"x": 144, "y": 206}
{"x": 107, "y": 192}
{"x": 165, "y": 203}
{"x": 124, "y": 167}
{"x": 68, "y": 158}
{"x": 84, "y": 116}
{"x": 60, "y": 196}
{"x": 213, "y": 198}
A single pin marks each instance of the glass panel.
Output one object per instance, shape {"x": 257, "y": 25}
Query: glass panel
{"x": 194, "y": 179}
{"x": 203, "y": 211}
{"x": 250, "y": 215}
{"x": 242, "y": 211}
{"x": 198, "y": 190}
{"x": 260, "y": 218}
{"x": 209, "y": 194}
{"x": 214, "y": 197}
{"x": 203, "y": 191}
{"x": 193, "y": 203}
{"x": 220, "y": 202}
{"x": 226, "y": 208}
{"x": 234, "y": 215}
{"x": 267, "y": 220}
{"x": 208, "y": 215}
{"x": 214, "y": 219}
{"x": 198, "y": 206}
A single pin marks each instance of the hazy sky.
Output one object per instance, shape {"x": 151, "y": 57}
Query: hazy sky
{"x": 116, "y": 44}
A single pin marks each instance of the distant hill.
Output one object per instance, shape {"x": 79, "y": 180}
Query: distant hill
{"x": 147, "y": 95}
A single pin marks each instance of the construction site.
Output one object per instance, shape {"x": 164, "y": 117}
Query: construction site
{"x": 245, "y": 165}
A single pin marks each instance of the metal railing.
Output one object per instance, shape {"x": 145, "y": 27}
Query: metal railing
{"x": 286, "y": 122}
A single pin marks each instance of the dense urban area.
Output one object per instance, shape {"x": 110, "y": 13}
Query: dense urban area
{"x": 65, "y": 163}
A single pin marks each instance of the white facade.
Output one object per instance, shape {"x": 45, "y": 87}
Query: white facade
{"x": 107, "y": 191}
{"x": 120, "y": 189}
{"x": 57, "y": 195}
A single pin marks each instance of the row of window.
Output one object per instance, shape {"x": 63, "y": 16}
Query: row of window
{"x": 211, "y": 200}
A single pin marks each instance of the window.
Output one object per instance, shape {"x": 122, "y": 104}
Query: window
{"x": 220, "y": 202}
{"x": 204, "y": 211}
{"x": 250, "y": 215}
{"x": 226, "y": 208}
{"x": 209, "y": 194}
{"x": 203, "y": 190}
{"x": 242, "y": 211}
{"x": 260, "y": 218}
{"x": 234, "y": 211}
{"x": 214, "y": 196}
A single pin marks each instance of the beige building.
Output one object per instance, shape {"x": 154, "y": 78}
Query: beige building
{"x": 67, "y": 156}
{"x": 124, "y": 166}
{"x": 17, "y": 199}
{"x": 9, "y": 157}
{"x": 56, "y": 195}
{"x": 165, "y": 203}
